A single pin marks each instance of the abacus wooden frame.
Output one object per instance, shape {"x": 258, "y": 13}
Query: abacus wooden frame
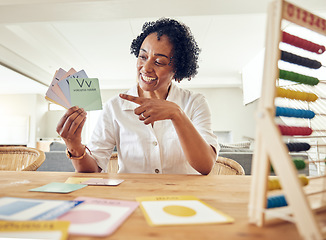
{"x": 269, "y": 144}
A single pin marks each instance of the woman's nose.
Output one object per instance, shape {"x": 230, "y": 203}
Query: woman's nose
{"x": 148, "y": 66}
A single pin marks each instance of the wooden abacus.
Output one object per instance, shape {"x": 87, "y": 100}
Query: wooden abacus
{"x": 270, "y": 147}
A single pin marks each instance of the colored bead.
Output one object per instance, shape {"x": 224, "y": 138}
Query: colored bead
{"x": 295, "y": 131}
{"x": 298, "y": 147}
{"x": 297, "y": 95}
{"x": 274, "y": 182}
{"x": 299, "y": 164}
{"x": 302, "y": 61}
{"x": 291, "y": 112}
{"x": 276, "y": 201}
{"x": 302, "y": 43}
{"x": 299, "y": 78}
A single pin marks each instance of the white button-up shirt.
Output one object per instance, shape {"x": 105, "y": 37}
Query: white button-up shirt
{"x": 143, "y": 148}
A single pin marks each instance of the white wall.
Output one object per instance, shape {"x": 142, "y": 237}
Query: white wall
{"x": 51, "y": 120}
{"x": 32, "y": 105}
{"x": 229, "y": 113}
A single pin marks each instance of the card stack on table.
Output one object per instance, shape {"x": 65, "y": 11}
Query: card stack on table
{"x": 74, "y": 88}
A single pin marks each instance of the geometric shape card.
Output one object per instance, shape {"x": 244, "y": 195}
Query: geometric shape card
{"x": 98, "y": 217}
{"x": 180, "y": 210}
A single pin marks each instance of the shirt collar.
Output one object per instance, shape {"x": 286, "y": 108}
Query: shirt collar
{"x": 172, "y": 93}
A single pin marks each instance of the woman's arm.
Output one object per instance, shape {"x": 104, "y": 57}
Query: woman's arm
{"x": 69, "y": 128}
{"x": 198, "y": 152}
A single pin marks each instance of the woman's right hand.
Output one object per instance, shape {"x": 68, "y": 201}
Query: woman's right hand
{"x": 70, "y": 127}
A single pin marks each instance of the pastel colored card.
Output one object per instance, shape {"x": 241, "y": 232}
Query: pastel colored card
{"x": 55, "y": 87}
{"x": 76, "y": 180}
{"x": 56, "y": 187}
{"x": 57, "y": 230}
{"x": 98, "y": 217}
{"x": 85, "y": 93}
{"x": 103, "y": 182}
{"x": 180, "y": 210}
{"x": 57, "y": 90}
{"x": 64, "y": 84}
{"x": 50, "y": 95}
{"x": 22, "y": 209}
{"x": 61, "y": 103}
{"x": 57, "y": 76}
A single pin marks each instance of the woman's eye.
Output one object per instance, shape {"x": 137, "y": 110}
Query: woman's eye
{"x": 159, "y": 63}
{"x": 142, "y": 57}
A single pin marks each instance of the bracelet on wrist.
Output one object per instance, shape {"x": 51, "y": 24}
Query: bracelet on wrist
{"x": 77, "y": 158}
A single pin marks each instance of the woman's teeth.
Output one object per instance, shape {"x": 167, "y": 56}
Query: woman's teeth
{"x": 148, "y": 79}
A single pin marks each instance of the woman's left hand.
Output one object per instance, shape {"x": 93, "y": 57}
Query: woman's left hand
{"x": 151, "y": 109}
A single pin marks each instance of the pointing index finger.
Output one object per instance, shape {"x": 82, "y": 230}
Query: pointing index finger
{"x": 138, "y": 100}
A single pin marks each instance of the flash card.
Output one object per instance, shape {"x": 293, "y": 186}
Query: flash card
{"x": 103, "y": 182}
{"x": 64, "y": 84}
{"x": 74, "y": 88}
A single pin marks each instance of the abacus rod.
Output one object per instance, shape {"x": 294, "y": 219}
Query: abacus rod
{"x": 321, "y": 114}
{"x": 306, "y": 136}
{"x": 278, "y": 214}
{"x": 317, "y": 145}
{"x": 315, "y": 161}
{"x": 316, "y": 177}
{"x": 317, "y": 192}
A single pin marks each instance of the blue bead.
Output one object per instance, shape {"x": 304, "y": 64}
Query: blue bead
{"x": 276, "y": 201}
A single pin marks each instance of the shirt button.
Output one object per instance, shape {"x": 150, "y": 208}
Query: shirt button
{"x": 155, "y": 143}
{"x": 157, "y": 171}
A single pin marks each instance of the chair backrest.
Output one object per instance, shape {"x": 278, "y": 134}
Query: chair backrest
{"x": 227, "y": 166}
{"x": 20, "y": 158}
{"x": 113, "y": 164}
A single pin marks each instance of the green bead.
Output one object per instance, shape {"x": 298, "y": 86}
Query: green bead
{"x": 295, "y": 77}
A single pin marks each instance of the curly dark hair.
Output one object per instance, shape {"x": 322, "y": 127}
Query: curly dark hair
{"x": 185, "y": 48}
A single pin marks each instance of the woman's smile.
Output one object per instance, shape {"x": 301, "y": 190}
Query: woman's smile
{"x": 147, "y": 79}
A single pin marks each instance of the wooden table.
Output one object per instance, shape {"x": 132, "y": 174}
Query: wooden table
{"x": 229, "y": 194}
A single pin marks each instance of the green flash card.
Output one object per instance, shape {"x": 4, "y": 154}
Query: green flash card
{"x": 85, "y": 93}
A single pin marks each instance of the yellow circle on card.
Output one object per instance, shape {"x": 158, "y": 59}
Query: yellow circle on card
{"x": 180, "y": 211}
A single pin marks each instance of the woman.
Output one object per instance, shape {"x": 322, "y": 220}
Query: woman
{"x": 156, "y": 126}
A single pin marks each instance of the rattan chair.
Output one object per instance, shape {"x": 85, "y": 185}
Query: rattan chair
{"x": 227, "y": 166}
{"x": 20, "y": 158}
